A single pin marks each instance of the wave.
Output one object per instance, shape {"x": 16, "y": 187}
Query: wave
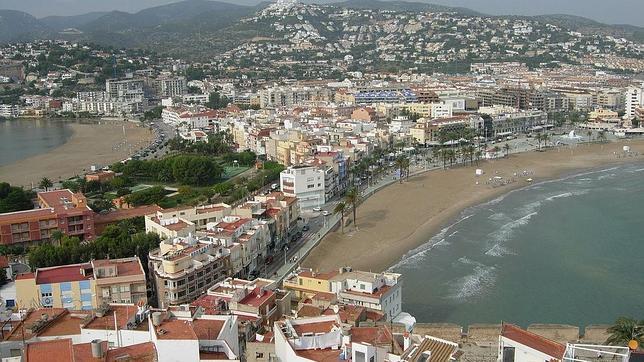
{"x": 437, "y": 240}
{"x": 499, "y": 251}
{"x": 475, "y": 284}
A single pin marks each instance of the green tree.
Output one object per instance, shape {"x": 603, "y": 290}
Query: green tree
{"x": 14, "y": 198}
{"x": 624, "y": 330}
{"x": 352, "y": 197}
{"x": 340, "y": 208}
{"x": 45, "y": 183}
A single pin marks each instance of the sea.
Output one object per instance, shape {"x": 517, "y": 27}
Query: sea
{"x": 565, "y": 251}
{"x": 23, "y": 138}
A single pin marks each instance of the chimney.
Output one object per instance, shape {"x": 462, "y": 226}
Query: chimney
{"x": 97, "y": 348}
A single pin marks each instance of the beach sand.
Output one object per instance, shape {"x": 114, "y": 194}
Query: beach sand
{"x": 90, "y": 144}
{"x": 402, "y": 217}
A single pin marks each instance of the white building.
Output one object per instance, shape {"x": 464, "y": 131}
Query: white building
{"x": 518, "y": 345}
{"x": 378, "y": 291}
{"x": 192, "y": 117}
{"x": 634, "y": 99}
{"x": 9, "y": 111}
{"x": 304, "y": 182}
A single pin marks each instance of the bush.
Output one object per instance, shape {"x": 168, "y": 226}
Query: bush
{"x": 153, "y": 195}
{"x": 14, "y": 198}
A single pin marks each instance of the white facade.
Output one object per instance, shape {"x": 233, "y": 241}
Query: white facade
{"x": 634, "y": 99}
{"x": 382, "y": 292}
{"x": 9, "y": 111}
{"x": 441, "y": 110}
{"x": 306, "y": 183}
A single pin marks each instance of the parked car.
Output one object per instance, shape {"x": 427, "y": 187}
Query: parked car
{"x": 317, "y": 209}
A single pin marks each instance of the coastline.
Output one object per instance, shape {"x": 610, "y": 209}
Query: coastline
{"x": 389, "y": 229}
{"x": 91, "y": 143}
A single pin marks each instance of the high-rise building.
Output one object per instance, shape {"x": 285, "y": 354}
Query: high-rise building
{"x": 634, "y": 99}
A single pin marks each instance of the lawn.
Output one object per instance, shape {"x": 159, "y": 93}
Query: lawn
{"x": 232, "y": 171}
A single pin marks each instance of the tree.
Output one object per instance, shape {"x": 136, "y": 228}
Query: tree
{"x": 601, "y": 136}
{"x": 340, "y": 207}
{"x": 402, "y": 163}
{"x": 496, "y": 150}
{"x": 589, "y": 133}
{"x": 352, "y": 198}
{"x": 14, "y": 198}
{"x": 624, "y": 330}
{"x": 506, "y": 148}
{"x": 45, "y": 183}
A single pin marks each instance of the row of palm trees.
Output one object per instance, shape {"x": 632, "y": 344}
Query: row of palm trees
{"x": 351, "y": 199}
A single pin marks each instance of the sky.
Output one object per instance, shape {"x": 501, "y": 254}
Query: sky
{"x": 607, "y": 11}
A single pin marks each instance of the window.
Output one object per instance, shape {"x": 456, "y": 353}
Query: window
{"x": 259, "y": 355}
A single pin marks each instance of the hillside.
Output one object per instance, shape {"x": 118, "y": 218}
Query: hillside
{"x": 402, "y": 6}
{"x": 18, "y": 25}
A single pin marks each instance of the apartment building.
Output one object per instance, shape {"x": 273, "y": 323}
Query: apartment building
{"x": 284, "y": 96}
{"x": 83, "y": 286}
{"x": 60, "y": 210}
{"x": 129, "y": 89}
{"x": 281, "y": 214}
{"x": 193, "y": 117}
{"x": 306, "y": 183}
{"x": 375, "y": 291}
{"x": 247, "y": 240}
{"x": 634, "y": 98}
{"x": 171, "y": 223}
{"x": 170, "y": 86}
{"x": 9, "y": 111}
{"x": 184, "y": 268}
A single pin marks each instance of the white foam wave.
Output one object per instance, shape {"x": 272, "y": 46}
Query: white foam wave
{"x": 602, "y": 177}
{"x": 504, "y": 233}
{"x": 437, "y": 240}
{"x": 475, "y": 284}
{"x": 499, "y": 251}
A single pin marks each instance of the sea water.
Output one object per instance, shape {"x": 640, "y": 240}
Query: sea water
{"x": 565, "y": 251}
{"x": 22, "y": 138}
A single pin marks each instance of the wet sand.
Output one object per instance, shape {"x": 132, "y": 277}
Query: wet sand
{"x": 402, "y": 217}
{"x": 100, "y": 143}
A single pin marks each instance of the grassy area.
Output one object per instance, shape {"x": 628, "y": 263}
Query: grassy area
{"x": 232, "y": 171}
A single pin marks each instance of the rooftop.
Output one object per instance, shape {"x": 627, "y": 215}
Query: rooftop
{"x": 207, "y": 329}
{"x": 65, "y": 273}
{"x": 533, "y": 341}
{"x": 176, "y": 329}
{"x": 58, "y": 350}
{"x": 314, "y": 328}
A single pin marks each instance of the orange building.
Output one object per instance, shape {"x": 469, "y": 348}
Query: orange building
{"x": 60, "y": 210}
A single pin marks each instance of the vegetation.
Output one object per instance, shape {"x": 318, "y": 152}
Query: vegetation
{"x": 126, "y": 239}
{"x": 149, "y": 196}
{"x": 218, "y": 144}
{"x": 193, "y": 170}
{"x": 217, "y": 101}
{"x": 624, "y": 330}
{"x": 45, "y": 184}
{"x": 340, "y": 208}
{"x": 14, "y": 198}
{"x": 352, "y": 198}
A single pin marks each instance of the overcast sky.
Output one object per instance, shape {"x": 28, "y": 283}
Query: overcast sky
{"x": 608, "y": 11}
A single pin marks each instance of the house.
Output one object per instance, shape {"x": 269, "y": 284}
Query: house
{"x": 519, "y": 345}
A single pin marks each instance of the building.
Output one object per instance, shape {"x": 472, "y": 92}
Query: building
{"x": 193, "y": 117}
{"x": 518, "y": 345}
{"x": 9, "y": 110}
{"x": 83, "y": 286}
{"x": 284, "y": 96}
{"x": 184, "y": 268}
{"x": 171, "y": 223}
{"x": 170, "y": 86}
{"x": 375, "y": 291}
{"x": 129, "y": 89}
{"x": 100, "y": 176}
{"x": 306, "y": 183}
{"x": 65, "y": 350}
{"x": 634, "y": 98}
{"x": 60, "y": 210}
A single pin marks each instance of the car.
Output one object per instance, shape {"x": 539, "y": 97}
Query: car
{"x": 317, "y": 209}
{"x": 326, "y": 213}
{"x": 305, "y": 228}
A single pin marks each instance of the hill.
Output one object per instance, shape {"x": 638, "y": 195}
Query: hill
{"x": 17, "y": 25}
{"x": 402, "y": 6}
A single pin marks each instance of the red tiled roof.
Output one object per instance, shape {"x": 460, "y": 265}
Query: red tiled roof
{"x": 321, "y": 276}
{"x": 60, "y": 274}
{"x": 373, "y": 335}
{"x": 83, "y": 352}
{"x": 533, "y": 341}
{"x": 320, "y": 355}
{"x": 254, "y": 299}
{"x": 316, "y": 327}
{"x": 207, "y": 329}
{"x": 124, "y": 214}
{"x": 176, "y": 329}
{"x": 142, "y": 352}
{"x": 58, "y": 350}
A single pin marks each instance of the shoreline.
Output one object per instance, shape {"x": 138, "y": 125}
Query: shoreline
{"x": 104, "y": 138}
{"x": 389, "y": 229}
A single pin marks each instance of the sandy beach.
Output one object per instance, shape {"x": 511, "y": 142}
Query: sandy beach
{"x": 98, "y": 143}
{"x": 401, "y": 217}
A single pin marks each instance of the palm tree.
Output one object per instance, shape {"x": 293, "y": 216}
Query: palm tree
{"x": 546, "y": 138}
{"x": 539, "y": 138}
{"x": 496, "y": 150}
{"x": 352, "y": 198}
{"x": 590, "y": 135}
{"x": 601, "y": 136}
{"x": 45, "y": 183}
{"x": 506, "y": 148}
{"x": 401, "y": 164}
{"x": 478, "y": 155}
{"x": 624, "y": 330}
{"x": 339, "y": 209}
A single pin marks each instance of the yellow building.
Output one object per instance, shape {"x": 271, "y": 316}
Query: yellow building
{"x": 83, "y": 286}
{"x": 307, "y": 283}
